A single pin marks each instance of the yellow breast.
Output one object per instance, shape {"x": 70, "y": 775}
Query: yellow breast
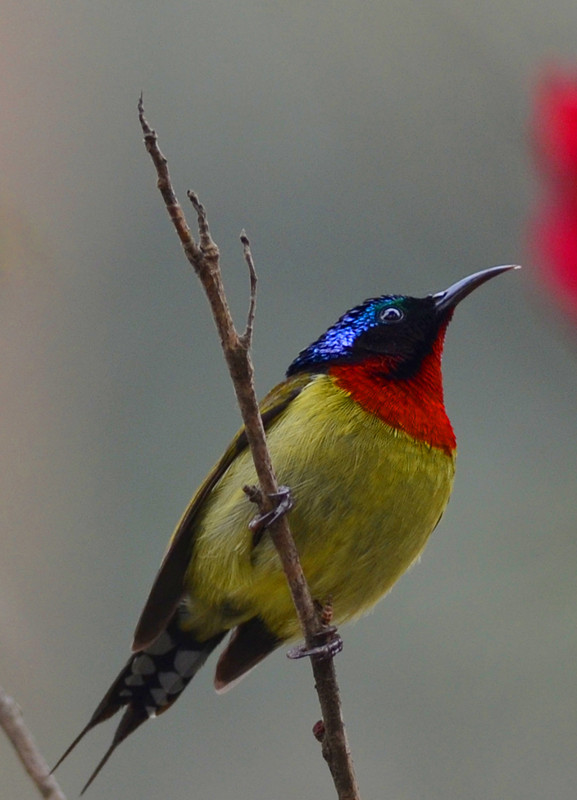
{"x": 367, "y": 497}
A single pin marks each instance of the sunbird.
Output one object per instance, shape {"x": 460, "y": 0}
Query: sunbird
{"x": 359, "y": 432}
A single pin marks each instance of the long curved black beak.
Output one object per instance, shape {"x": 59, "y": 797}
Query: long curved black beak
{"x": 447, "y": 300}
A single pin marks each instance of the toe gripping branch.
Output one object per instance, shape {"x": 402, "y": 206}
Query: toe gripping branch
{"x": 283, "y": 503}
{"x": 327, "y": 642}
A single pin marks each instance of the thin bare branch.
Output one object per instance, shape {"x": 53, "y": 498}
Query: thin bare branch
{"x": 207, "y": 244}
{"x": 12, "y": 722}
{"x": 165, "y": 187}
{"x": 246, "y": 337}
{"x": 205, "y": 260}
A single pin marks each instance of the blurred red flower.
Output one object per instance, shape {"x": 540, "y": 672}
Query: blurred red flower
{"x": 553, "y": 232}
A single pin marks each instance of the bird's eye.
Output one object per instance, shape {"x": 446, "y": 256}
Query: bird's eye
{"x": 391, "y": 314}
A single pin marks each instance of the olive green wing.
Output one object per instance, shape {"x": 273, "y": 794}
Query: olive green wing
{"x": 168, "y": 587}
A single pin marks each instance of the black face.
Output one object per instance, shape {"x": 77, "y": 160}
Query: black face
{"x": 407, "y": 329}
{"x": 392, "y": 325}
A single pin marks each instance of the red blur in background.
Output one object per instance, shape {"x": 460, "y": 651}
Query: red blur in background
{"x": 553, "y": 232}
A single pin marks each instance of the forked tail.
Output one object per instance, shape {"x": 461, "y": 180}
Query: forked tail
{"x": 149, "y": 684}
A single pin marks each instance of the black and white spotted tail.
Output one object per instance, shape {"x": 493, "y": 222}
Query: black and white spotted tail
{"x": 149, "y": 684}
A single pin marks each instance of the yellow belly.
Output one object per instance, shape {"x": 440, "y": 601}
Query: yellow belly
{"x": 366, "y": 499}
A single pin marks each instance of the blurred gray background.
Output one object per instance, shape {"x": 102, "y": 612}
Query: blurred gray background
{"x": 366, "y": 147}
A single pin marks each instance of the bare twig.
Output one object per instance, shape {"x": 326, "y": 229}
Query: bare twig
{"x": 246, "y": 337}
{"x": 12, "y": 722}
{"x": 204, "y": 257}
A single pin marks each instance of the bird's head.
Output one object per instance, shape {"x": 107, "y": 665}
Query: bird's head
{"x": 401, "y": 330}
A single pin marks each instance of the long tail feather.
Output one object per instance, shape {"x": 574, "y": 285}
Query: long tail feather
{"x": 131, "y": 720}
{"x": 149, "y": 684}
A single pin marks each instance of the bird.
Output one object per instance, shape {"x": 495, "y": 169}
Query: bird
{"x": 359, "y": 432}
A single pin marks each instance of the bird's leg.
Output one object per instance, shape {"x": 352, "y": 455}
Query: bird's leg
{"x": 328, "y": 641}
{"x": 283, "y": 503}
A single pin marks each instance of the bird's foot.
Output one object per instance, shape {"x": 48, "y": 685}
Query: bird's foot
{"x": 329, "y": 643}
{"x": 284, "y": 502}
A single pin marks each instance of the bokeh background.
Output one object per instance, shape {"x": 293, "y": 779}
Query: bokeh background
{"x": 366, "y": 147}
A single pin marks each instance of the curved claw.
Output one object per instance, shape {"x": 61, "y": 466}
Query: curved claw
{"x": 284, "y": 503}
{"x": 329, "y": 648}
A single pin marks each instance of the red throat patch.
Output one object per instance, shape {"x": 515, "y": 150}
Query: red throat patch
{"x": 414, "y": 405}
